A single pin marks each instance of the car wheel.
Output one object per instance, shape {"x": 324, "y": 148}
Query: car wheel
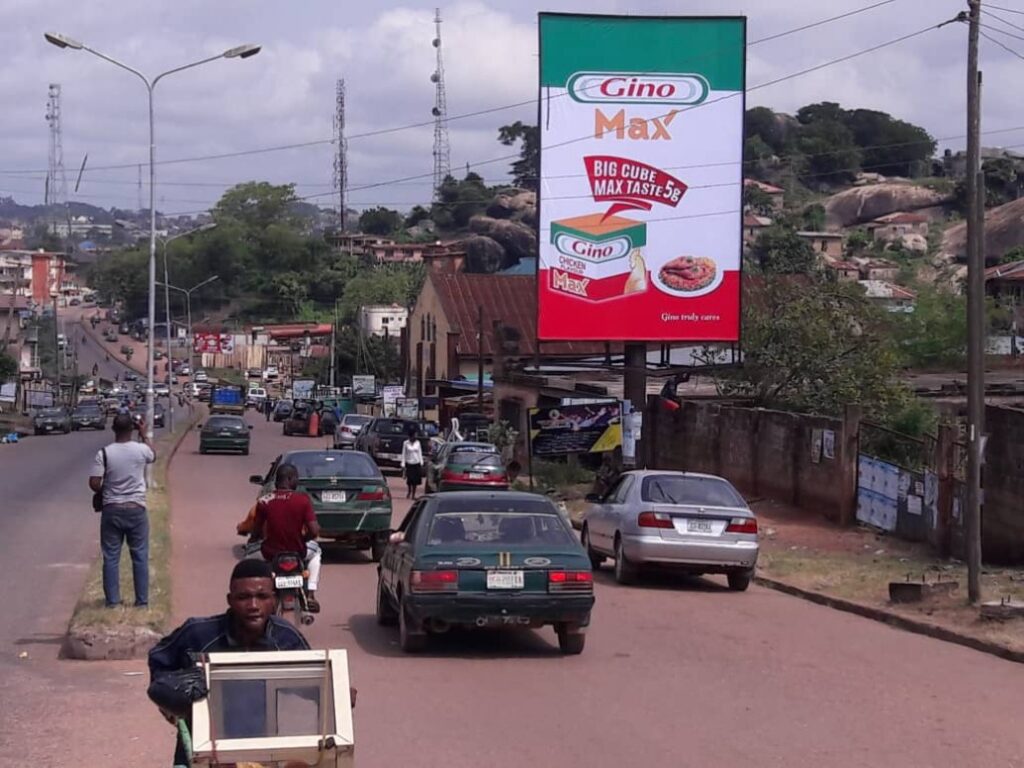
{"x": 595, "y": 559}
{"x": 625, "y": 571}
{"x": 408, "y": 641}
{"x": 377, "y": 547}
{"x": 386, "y": 613}
{"x": 571, "y": 642}
{"x": 740, "y": 580}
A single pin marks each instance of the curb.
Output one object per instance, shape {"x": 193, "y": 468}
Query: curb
{"x": 119, "y": 643}
{"x": 87, "y": 329}
{"x": 894, "y": 620}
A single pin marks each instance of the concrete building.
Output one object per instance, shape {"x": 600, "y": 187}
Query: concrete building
{"x": 753, "y": 226}
{"x": 890, "y": 296}
{"x": 776, "y": 194}
{"x": 826, "y": 244}
{"x": 383, "y": 320}
{"x": 909, "y": 229}
{"x": 38, "y": 274}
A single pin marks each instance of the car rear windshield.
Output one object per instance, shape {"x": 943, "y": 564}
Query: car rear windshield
{"x": 475, "y": 459}
{"x": 355, "y": 419}
{"x": 473, "y": 448}
{"x": 493, "y": 529}
{"x": 334, "y": 464}
{"x": 88, "y": 409}
{"x": 223, "y": 422}
{"x": 51, "y": 412}
{"x": 684, "y": 489}
{"x": 393, "y": 426}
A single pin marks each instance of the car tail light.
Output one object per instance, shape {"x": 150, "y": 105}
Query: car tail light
{"x": 570, "y": 581}
{"x": 434, "y": 581}
{"x": 346, "y": 430}
{"x": 654, "y": 520}
{"x": 288, "y": 564}
{"x": 742, "y": 525}
{"x": 373, "y": 494}
{"x": 447, "y": 474}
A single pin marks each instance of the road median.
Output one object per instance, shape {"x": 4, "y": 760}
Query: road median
{"x": 96, "y": 632}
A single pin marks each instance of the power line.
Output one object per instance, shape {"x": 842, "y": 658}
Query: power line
{"x": 1006, "y": 48}
{"x": 1007, "y": 10}
{"x": 1000, "y": 18}
{"x": 1000, "y": 31}
{"x": 463, "y": 116}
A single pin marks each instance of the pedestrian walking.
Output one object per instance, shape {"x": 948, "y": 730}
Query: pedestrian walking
{"x": 268, "y": 408}
{"x": 412, "y": 462}
{"x": 118, "y": 473}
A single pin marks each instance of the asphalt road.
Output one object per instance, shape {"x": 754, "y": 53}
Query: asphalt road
{"x": 49, "y": 536}
{"x": 675, "y": 673}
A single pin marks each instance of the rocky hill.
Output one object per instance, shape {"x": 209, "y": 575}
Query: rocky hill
{"x": 859, "y": 205}
{"x": 1004, "y": 229}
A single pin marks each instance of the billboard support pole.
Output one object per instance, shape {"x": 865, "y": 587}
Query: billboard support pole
{"x": 529, "y": 450}
{"x": 635, "y": 377}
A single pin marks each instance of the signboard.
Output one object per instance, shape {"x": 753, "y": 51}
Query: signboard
{"x": 302, "y": 389}
{"x": 641, "y": 140}
{"x": 8, "y": 392}
{"x": 407, "y": 408}
{"x": 213, "y": 343}
{"x": 575, "y": 429}
{"x": 364, "y": 386}
{"x": 39, "y": 398}
{"x": 391, "y": 393}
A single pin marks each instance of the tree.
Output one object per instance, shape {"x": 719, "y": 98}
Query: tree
{"x": 815, "y": 346}
{"x": 762, "y": 123}
{"x": 525, "y": 170}
{"x": 890, "y": 146}
{"x": 831, "y": 153}
{"x": 1013, "y": 255}
{"x": 380, "y": 221}
{"x": 935, "y": 333}
{"x": 8, "y": 366}
{"x": 461, "y": 200}
{"x": 756, "y": 157}
{"x": 813, "y": 218}
{"x": 757, "y": 200}
{"x": 416, "y": 215}
{"x": 779, "y": 250}
{"x": 257, "y": 205}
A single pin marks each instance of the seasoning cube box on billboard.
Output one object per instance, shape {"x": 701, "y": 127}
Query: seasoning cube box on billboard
{"x": 599, "y": 258}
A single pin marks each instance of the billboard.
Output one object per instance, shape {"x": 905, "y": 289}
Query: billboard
{"x": 641, "y": 181}
{"x": 569, "y": 429}
{"x": 213, "y": 343}
{"x": 364, "y": 386}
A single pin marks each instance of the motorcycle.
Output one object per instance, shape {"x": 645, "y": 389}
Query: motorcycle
{"x": 290, "y": 581}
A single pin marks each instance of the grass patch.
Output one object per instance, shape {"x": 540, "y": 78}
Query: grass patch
{"x": 548, "y": 475}
{"x": 228, "y": 375}
{"x": 90, "y": 611}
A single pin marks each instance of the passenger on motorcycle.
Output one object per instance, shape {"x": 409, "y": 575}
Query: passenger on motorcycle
{"x": 288, "y": 524}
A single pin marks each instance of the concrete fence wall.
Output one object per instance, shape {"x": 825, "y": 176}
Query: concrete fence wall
{"x": 1002, "y": 522}
{"x": 807, "y": 461}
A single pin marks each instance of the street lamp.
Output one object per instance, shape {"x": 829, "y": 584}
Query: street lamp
{"x": 167, "y": 306}
{"x": 188, "y": 305}
{"x": 238, "y": 52}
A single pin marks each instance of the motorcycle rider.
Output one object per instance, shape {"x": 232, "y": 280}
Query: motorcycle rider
{"x": 286, "y": 519}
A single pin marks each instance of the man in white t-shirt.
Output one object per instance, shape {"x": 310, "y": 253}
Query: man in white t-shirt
{"x": 119, "y": 471}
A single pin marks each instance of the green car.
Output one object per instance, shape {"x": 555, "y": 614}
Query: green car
{"x": 224, "y": 433}
{"x": 350, "y": 496}
{"x": 477, "y": 559}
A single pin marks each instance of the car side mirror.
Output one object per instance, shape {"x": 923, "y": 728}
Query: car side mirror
{"x": 396, "y": 538}
{"x": 256, "y": 479}
{"x": 593, "y": 498}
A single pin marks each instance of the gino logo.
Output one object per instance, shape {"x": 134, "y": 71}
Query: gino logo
{"x": 637, "y": 88}
{"x": 570, "y": 245}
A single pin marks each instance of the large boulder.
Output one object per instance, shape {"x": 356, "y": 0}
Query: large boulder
{"x": 1004, "y": 229}
{"x": 517, "y": 205}
{"x": 860, "y": 205}
{"x": 484, "y": 255}
{"x": 518, "y": 240}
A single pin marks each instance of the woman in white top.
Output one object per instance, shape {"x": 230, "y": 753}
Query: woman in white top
{"x": 412, "y": 462}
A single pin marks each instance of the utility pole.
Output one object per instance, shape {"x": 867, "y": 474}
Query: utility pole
{"x": 57, "y": 351}
{"x": 975, "y": 309}
{"x": 341, "y": 154}
{"x": 635, "y": 377}
{"x": 334, "y": 334}
{"x": 480, "y": 358}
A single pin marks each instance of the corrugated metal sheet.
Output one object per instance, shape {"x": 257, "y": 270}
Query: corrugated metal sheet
{"x": 511, "y": 299}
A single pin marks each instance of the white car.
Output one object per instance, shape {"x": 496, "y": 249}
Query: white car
{"x": 270, "y": 373}
{"x": 201, "y": 376}
{"x": 256, "y": 397}
{"x": 161, "y": 389}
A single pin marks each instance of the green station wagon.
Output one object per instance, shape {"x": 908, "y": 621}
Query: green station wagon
{"x": 350, "y": 496}
{"x": 224, "y": 433}
{"x": 478, "y": 559}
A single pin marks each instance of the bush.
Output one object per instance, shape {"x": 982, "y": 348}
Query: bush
{"x": 557, "y": 474}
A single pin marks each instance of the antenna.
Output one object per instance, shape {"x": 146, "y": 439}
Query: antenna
{"x": 442, "y": 149}
{"x": 341, "y": 155}
{"x": 57, "y": 182}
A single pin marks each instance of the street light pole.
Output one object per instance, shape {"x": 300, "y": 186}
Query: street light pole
{"x": 241, "y": 52}
{"x": 167, "y": 307}
{"x": 188, "y": 307}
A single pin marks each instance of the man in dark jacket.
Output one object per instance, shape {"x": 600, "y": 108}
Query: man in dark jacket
{"x": 248, "y": 625}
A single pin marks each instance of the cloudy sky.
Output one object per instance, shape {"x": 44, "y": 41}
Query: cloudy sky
{"x": 285, "y": 95}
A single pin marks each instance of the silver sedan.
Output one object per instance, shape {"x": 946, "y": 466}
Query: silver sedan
{"x": 348, "y": 429}
{"x": 682, "y": 521}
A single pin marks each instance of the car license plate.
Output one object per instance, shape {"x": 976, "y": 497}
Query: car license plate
{"x": 390, "y": 456}
{"x": 698, "y": 525}
{"x": 48, "y": 426}
{"x": 288, "y": 582}
{"x": 334, "y": 497}
{"x": 476, "y": 475}
{"x": 504, "y": 579}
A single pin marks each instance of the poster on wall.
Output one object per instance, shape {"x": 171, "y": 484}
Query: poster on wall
{"x": 213, "y": 343}
{"x": 641, "y": 143}
{"x": 570, "y": 429}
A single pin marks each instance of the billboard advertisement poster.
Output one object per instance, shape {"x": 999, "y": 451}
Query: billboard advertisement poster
{"x": 213, "y": 343}
{"x": 407, "y": 408}
{"x": 302, "y": 389}
{"x": 364, "y": 385}
{"x": 567, "y": 429}
{"x": 641, "y": 181}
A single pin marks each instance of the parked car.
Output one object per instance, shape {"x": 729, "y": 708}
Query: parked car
{"x": 130, "y": 375}
{"x": 350, "y": 496}
{"x": 465, "y": 466}
{"x": 124, "y": 329}
{"x": 382, "y": 438}
{"x": 348, "y": 430}
{"x": 270, "y": 373}
{"x": 185, "y": 370}
{"x": 479, "y": 559}
{"x": 255, "y": 397}
{"x": 203, "y": 392}
{"x": 161, "y": 389}
{"x": 224, "y": 433}
{"x": 254, "y": 373}
{"x": 200, "y": 376}
{"x": 49, "y": 420}
{"x": 681, "y": 521}
{"x": 282, "y": 410}
{"x": 88, "y": 416}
